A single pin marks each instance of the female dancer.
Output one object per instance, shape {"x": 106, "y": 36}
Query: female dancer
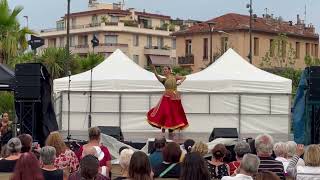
{"x": 168, "y": 113}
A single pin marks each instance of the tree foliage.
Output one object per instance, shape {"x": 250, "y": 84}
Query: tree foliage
{"x": 12, "y": 38}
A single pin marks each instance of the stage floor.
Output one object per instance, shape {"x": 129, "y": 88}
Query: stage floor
{"x": 178, "y": 137}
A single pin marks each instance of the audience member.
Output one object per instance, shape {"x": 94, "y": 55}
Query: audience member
{"x": 5, "y": 129}
{"x": 311, "y": 157}
{"x": 139, "y": 167}
{"x": 281, "y": 152}
{"x": 194, "y": 167}
{"x": 217, "y": 168}
{"x": 170, "y": 167}
{"x": 89, "y": 169}
{"x": 14, "y": 148}
{"x": 124, "y": 161}
{"x": 156, "y": 157}
{"x": 65, "y": 158}
{"x": 248, "y": 168}
{"x": 201, "y": 148}
{"x": 292, "y": 147}
{"x": 187, "y": 145}
{"x": 122, "y": 148}
{"x": 267, "y": 175}
{"x": 94, "y": 140}
{"x": 96, "y": 151}
{"x": 27, "y": 168}
{"x": 47, "y": 157}
{"x": 26, "y": 142}
{"x": 241, "y": 148}
{"x": 264, "y": 146}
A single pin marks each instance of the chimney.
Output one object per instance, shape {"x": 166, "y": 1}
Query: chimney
{"x": 298, "y": 19}
{"x": 290, "y": 23}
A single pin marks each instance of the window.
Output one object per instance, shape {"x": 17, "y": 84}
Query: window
{"x": 111, "y": 39}
{"x": 205, "y": 48}
{"x": 307, "y": 49}
{"x": 136, "y": 59}
{"x": 312, "y": 49}
{"x": 271, "y": 47}
{"x": 60, "y": 25}
{"x": 61, "y": 42}
{"x": 297, "y": 50}
{"x": 72, "y": 41}
{"x": 316, "y": 50}
{"x": 135, "y": 40}
{"x": 160, "y": 42}
{"x": 114, "y": 19}
{"x": 188, "y": 49}
{"x": 52, "y": 42}
{"x": 284, "y": 48}
{"x": 83, "y": 40}
{"x": 162, "y": 23}
{"x": 256, "y": 46}
{"x": 224, "y": 44}
{"x": 173, "y": 43}
{"x": 94, "y": 20}
{"x": 73, "y": 23}
{"x": 149, "y": 41}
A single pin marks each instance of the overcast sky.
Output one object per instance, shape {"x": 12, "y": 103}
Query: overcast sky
{"x": 43, "y": 13}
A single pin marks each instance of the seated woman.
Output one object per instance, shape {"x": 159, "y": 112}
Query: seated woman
{"x": 124, "y": 161}
{"x": 241, "y": 148}
{"x": 27, "y": 168}
{"x": 170, "y": 167}
{"x": 65, "y": 158}
{"x": 14, "y": 148}
{"x": 94, "y": 140}
{"x": 47, "y": 157}
{"x": 217, "y": 168}
{"x": 311, "y": 170}
{"x": 194, "y": 167}
{"x": 139, "y": 167}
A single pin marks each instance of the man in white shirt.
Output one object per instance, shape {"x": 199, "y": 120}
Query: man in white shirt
{"x": 248, "y": 167}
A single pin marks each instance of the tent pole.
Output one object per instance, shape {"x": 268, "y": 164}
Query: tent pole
{"x": 90, "y": 97}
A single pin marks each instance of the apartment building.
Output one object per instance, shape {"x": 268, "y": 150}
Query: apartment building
{"x": 142, "y": 36}
{"x": 232, "y": 31}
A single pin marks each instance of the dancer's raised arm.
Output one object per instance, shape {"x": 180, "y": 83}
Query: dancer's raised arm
{"x": 156, "y": 73}
{"x": 180, "y": 79}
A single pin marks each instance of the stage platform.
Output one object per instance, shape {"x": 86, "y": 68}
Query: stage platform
{"x": 179, "y": 137}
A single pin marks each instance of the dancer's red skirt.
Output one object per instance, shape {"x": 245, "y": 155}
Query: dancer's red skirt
{"x": 168, "y": 114}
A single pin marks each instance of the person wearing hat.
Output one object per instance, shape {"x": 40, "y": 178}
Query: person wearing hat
{"x": 14, "y": 148}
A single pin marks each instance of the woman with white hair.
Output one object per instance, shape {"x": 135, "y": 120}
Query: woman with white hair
{"x": 292, "y": 148}
{"x": 14, "y": 148}
{"x": 47, "y": 157}
{"x": 124, "y": 161}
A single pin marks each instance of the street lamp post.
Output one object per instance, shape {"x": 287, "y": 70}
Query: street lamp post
{"x": 211, "y": 24}
{"x": 250, "y": 31}
{"x": 68, "y": 39}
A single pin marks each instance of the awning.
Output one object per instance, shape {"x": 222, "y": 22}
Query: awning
{"x": 160, "y": 60}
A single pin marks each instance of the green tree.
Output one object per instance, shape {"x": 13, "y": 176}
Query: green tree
{"x": 90, "y": 61}
{"x": 311, "y": 61}
{"x": 280, "y": 55}
{"x": 12, "y": 38}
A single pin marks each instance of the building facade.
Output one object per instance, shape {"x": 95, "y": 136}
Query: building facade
{"x": 271, "y": 38}
{"x": 142, "y": 36}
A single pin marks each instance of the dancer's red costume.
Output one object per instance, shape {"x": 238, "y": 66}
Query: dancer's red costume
{"x": 168, "y": 113}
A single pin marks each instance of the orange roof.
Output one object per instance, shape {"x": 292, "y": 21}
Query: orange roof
{"x": 232, "y": 22}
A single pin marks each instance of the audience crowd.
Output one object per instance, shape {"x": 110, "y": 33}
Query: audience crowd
{"x": 259, "y": 159}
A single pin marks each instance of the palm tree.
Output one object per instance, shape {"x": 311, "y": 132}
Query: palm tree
{"x": 12, "y": 38}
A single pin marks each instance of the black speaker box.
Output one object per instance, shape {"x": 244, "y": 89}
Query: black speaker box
{"x": 113, "y": 131}
{"x": 28, "y": 69}
{"x": 223, "y": 133}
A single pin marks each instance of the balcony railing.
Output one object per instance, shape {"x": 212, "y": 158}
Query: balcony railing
{"x": 113, "y": 44}
{"x": 186, "y": 60}
{"x": 127, "y": 23}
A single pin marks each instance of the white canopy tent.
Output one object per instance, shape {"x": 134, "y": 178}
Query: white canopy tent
{"x": 229, "y": 93}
